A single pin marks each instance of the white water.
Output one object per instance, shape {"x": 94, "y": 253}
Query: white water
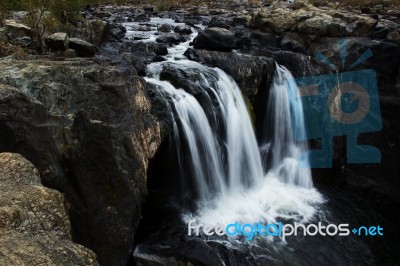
{"x": 227, "y": 167}
{"x": 284, "y": 124}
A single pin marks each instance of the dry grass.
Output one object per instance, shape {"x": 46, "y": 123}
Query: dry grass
{"x": 357, "y": 3}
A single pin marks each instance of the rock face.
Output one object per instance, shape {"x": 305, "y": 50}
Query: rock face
{"x": 218, "y": 39}
{"x": 87, "y": 127}
{"x": 34, "y": 225}
{"x": 308, "y": 19}
{"x": 57, "y": 41}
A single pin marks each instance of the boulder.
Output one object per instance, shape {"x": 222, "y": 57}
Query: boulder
{"x": 114, "y": 32}
{"x": 69, "y": 53}
{"x": 183, "y": 29}
{"x": 15, "y": 31}
{"x": 57, "y": 41}
{"x": 219, "y": 23}
{"x": 294, "y": 42}
{"x": 82, "y": 48}
{"x": 34, "y": 224}
{"x": 171, "y": 38}
{"x": 279, "y": 19}
{"x": 88, "y": 129}
{"x": 165, "y": 27}
{"x": 218, "y": 39}
{"x": 394, "y": 36}
{"x": 97, "y": 30}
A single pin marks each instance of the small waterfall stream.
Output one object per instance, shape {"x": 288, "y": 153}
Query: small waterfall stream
{"x": 284, "y": 124}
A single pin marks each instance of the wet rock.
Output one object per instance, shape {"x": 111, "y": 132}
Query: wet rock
{"x": 57, "y": 41}
{"x": 183, "y": 29}
{"x": 165, "y": 27}
{"x": 82, "y": 48}
{"x": 141, "y": 18}
{"x": 171, "y": 38}
{"x": 34, "y": 224}
{"x": 253, "y": 74}
{"x": 161, "y": 50}
{"x": 218, "y": 39}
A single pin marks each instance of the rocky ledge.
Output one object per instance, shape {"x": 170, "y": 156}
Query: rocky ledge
{"x": 86, "y": 126}
{"x": 34, "y": 224}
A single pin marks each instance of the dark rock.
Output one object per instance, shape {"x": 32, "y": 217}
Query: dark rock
{"x": 97, "y": 30}
{"x": 298, "y": 64}
{"x": 138, "y": 61}
{"x": 118, "y": 31}
{"x": 141, "y": 18}
{"x": 253, "y": 74}
{"x": 382, "y": 51}
{"x": 293, "y": 42}
{"x": 183, "y": 29}
{"x": 69, "y": 53}
{"x": 171, "y": 38}
{"x": 219, "y": 23}
{"x": 191, "y": 54}
{"x": 87, "y": 128}
{"x": 82, "y": 48}
{"x": 16, "y": 31}
{"x": 57, "y": 41}
{"x": 218, "y": 39}
{"x": 148, "y": 9}
{"x": 165, "y": 28}
{"x": 24, "y": 42}
{"x": 263, "y": 39}
{"x": 366, "y": 10}
{"x": 144, "y": 28}
{"x": 394, "y": 36}
{"x": 161, "y": 49}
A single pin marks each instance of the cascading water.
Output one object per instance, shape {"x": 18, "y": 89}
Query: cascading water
{"x": 221, "y": 162}
{"x": 221, "y": 149}
{"x": 284, "y": 124}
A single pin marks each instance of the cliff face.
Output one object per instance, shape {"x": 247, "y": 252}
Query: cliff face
{"x": 87, "y": 127}
{"x": 34, "y": 225}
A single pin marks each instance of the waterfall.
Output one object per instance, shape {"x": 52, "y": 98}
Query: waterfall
{"x": 224, "y": 158}
{"x": 220, "y": 162}
{"x": 234, "y": 179}
{"x": 284, "y": 124}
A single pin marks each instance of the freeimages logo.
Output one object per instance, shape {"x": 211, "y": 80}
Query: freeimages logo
{"x": 341, "y": 104}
